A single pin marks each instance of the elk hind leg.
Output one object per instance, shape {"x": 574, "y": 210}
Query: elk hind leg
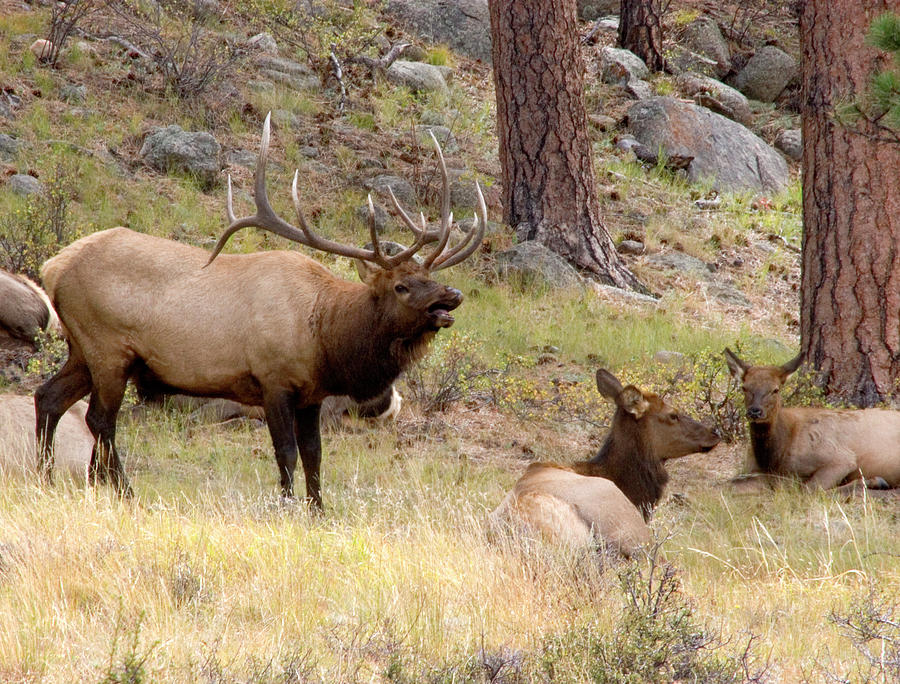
{"x": 52, "y": 400}
{"x": 106, "y": 399}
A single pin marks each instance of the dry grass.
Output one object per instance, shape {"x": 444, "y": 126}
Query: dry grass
{"x": 208, "y": 575}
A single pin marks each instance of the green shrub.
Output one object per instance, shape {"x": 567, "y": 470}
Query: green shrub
{"x": 39, "y": 227}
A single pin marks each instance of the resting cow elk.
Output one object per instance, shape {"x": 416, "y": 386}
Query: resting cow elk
{"x": 645, "y": 432}
{"x": 73, "y": 444}
{"x": 273, "y": 329}
{"x": 25, "y": 310}
{"x": 562, "y": 506}
{"x": 610, "y": 497}
{"x": 822, "y": 447}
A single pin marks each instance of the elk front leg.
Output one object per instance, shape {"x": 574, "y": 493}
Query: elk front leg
{"x": 101, "y": 420}
{"x": 309, "y": 440}
{"x": 279, "y": 409}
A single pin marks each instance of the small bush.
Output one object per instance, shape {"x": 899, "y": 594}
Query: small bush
{"x": 657, "y": 638}
{"x": 447, "y": 375}
{"x": 127, "y": 667}
{"x": 189, "y": 57}
{"x": 873, "y": 627}
{"x": 38, "y": 229}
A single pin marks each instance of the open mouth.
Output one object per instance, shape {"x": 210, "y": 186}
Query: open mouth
{"x": 439, "y": 312}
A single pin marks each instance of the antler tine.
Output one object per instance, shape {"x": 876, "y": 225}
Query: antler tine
{"x": 316, "y": 241}
{"x": 430, "y": 235}
{"x": 373, "y": 233}
{"x": 446, "y": 216}
{"x": 473, "y": 239}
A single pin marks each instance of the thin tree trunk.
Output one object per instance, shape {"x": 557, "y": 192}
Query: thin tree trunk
{"x": 545, "y": 154}
{"x": 640, "y": 31}
{"x": 850, "y": 290}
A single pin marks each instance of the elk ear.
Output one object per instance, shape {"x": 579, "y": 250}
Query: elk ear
{"x": 791, "y": 366}
{"x": 365, "y": 269}
{"x": 607, "y": 384}
{"x": 735, "y": 365}
{"x": 631, "y": 399}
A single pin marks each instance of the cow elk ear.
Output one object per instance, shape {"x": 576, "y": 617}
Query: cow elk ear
{"x": 631, "y": 399}
{"x": 735, "y": 365}
{"x": 365, "y": 269}
{"x": 607, "y": 384}
{"x": 791, "y": 366}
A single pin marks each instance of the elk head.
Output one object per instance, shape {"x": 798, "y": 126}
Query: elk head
{"x": 761, "y": 385}
{"x": 404, "y": 287}
{"x": 645, "y": 415}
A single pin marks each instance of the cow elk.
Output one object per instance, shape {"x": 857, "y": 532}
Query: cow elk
{"x": 610, "y": 497}
{"x": 272, "y": 329}
{"x": 25, "y": 311}
{"x": 824, "y": 448}
{"x": 73, "y": 443}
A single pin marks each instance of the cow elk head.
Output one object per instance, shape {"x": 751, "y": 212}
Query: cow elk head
{"x": 647, "y": 416}
{"x": 761, "y": 385}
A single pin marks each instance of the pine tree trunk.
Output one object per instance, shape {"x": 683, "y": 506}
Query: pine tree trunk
{"x": 545, "y": 154}
{"x": 850, "y": 290}
{"x": 640, "y": 30}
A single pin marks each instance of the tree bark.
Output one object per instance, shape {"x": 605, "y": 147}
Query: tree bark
{"x": 548, "y": 178}
{"x": 850, "y": 290}
{"x": 640, "y": 31}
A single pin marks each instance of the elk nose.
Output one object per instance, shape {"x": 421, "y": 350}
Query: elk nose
{"x": 754, "y": 412}
{"x": 456, "y": 294}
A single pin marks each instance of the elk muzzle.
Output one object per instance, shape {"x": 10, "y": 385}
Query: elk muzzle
{"x": 439, "y": 311}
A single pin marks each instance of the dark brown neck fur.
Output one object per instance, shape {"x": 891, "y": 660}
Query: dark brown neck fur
{"x": 767, "y": 439}
{"x": 625, "y": 458}
{"x": 363, "y": 351}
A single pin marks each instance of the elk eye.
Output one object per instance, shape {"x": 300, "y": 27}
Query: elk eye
{"x": 400, "y": 288}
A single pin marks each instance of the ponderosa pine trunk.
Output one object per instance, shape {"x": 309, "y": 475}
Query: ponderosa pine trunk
{"x": 545, "y": 154}
{"x": 640, "y": 31}
{"x": 850, "y": 291}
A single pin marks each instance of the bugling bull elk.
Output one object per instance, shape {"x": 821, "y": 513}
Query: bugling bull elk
{"x": 273, "y": 329}
{"x": 822, "y": 447}
{"x": 608, "y": 498}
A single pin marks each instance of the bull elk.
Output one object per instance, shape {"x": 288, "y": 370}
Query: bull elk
{"x": 273, "y": 329}
{"x": 822, "y": 447}
{"x": 610, "y": 497}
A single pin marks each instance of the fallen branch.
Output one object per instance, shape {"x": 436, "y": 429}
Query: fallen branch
{"x": 339, "y": 77}
{"x": 382, "y": 63}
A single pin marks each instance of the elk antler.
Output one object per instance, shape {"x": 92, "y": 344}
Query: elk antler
{"x": 266, "y": 218}
{"x": 438, "y": 258}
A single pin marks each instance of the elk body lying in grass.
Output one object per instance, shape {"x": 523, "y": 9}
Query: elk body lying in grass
{"x": 25, "y": 311}
{"x": 73, "y": 444}
{"x": 273, "y": 329}
{"x": 609, "y": 498}
{"x": 822, "y": 447}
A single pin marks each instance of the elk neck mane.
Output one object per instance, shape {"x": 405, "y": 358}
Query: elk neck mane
{"x": 767, "y": 441}
{"x": 627, "y": 459}
{"x": 372, "y": 352}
